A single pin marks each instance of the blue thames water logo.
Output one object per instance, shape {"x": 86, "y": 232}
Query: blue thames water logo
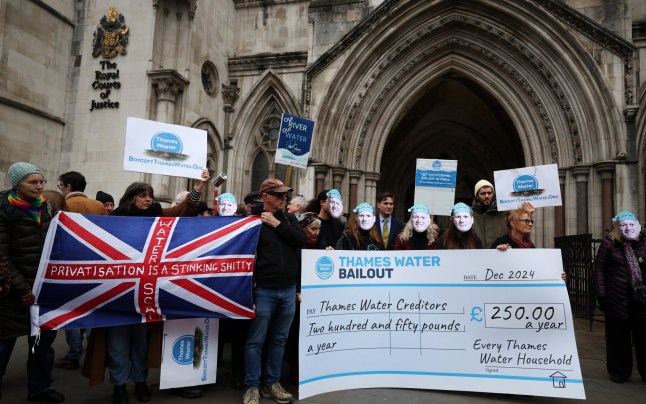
{"x": 182, "y": 352}
{"x": 525, "y": 183}
{"x": 166, "y": 142}
{"x": 324, "y": 268}
{"x": 437, "y": 164}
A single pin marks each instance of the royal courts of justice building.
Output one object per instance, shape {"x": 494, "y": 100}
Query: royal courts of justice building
{"x": 494, "y": 84}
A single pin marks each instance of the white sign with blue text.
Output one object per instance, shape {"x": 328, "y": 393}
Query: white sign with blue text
{"x": 537, "y": 184}
{"x": 162, "y": 148}
{"x": 294, "y": 141}
{"x": 435, "y": 184}
{"x": 189, "y": 352}
{"x": 468, "y": 320}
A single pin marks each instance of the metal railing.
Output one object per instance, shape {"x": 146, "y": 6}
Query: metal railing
{"x": 578, "y": 254}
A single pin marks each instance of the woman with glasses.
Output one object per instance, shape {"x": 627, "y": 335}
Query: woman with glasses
{"x": 25, "y": 216}
{"x": 460, "y": 234}
{"x": 127, "y": 345}
{"x": 520, "y": 223}
{"x": 619, "y": 274}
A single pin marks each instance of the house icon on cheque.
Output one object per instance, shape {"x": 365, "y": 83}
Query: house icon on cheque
{"x": 558, "y": 380}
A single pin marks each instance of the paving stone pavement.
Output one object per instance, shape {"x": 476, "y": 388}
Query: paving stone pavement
{"x": 591, "y": 349}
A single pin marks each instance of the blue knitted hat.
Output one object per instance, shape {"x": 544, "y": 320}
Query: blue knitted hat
{"x": 227, "y": 197}
{"x": 624, "y": 215}
{"x": 18, "y": 171}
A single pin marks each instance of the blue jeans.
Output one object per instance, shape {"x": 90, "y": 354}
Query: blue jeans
{"x": 74, "y": 340}
{"x": 274, "y": 314}
{"x": 128, "y": 353}
{"x": 40, "y": 363}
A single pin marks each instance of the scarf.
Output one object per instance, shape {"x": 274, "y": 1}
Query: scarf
{"x": 634, "y": 272}
{"x": 525, "y": 243}
{"x": 33, "y": 208}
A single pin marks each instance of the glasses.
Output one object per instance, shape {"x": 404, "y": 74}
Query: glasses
{"x": 59, "y": 186}
{"x": 280, "y": 195}
{"x": 526, "y": 221}
{"x": 33, "y": 183}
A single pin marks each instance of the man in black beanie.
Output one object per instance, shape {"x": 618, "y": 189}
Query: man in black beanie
{"x": 106, "y": 200}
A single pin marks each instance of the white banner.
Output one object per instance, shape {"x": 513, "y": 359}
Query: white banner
{"x": 471, "y": 320}
{"x": 538, "y": 185}
{"x": 163, "y": 148}
{"x": 435, "y": 184}
{"x": 189, "y": 352}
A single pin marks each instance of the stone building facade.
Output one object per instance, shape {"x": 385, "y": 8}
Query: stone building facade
{"x": 494, "y": 84}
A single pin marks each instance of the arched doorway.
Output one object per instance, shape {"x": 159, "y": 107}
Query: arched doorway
{"x": 455, "y": 120}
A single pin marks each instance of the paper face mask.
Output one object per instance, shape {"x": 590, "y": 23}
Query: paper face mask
{"x": 630, "y": 229}
{"x": 463, "y": 221}
{"x": 336, "y": 207}
{"x": 421, "y": 221}
{"x": 226, "y": 208}
{"x": 366, "y": 220}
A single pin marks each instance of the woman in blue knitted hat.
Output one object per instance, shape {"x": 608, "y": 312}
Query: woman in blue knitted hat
{"x": 24, "y": 220}
{"x": 619, "y": 274}
{"x": 460, "y": 234}
{"x": 361, "y": 232}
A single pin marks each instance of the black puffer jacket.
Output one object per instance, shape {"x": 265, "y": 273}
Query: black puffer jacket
{"x": 611, "y": 276}
{"x": 21, "y": 241}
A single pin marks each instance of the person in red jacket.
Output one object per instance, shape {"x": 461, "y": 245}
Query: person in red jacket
{"x": 619, "y": 273}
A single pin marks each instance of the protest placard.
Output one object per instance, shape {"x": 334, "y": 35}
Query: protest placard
{"x": 294, "y": 141}
{"x": 162, "y": 148}
{"x": 469, "y": 320}
{"x": 189, "y": 352}
{"x": 435, "y": 184}
{"x": 537, "y": 184}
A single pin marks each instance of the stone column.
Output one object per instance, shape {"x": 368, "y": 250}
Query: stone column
{"x": 320, "y": 171}
{"x": 606, "y": 171}
{"x": 581, "y": 174}
{"x": 559, "y": 211}
{"x": 230, "y": 95}
{"x": 355, "y": 176}
{"x": 370, "y": 193}
{"x": 338, "y": 174}
{"x": 168, "y": 86}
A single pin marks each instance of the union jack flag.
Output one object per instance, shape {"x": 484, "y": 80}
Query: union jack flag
{"x": 112, "y": 270}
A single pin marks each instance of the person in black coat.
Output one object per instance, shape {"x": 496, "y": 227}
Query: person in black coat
{"x": 619, "y": 273}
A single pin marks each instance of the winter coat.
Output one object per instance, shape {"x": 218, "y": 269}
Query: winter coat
{"x": 78, "y": 202}
{"x": 612, "y": 280}
{"x": 488, "y": 223}
{"x": 21, "y": 242}
{"x": 278, "y": 253}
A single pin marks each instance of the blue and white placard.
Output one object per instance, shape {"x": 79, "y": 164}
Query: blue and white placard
{"x": 468, "y": 320}
{"x": 294, "y": 141}
{"x": 537, "y": 184}
{"x": 435, "y": 184}
{"x": 162, "y": 148}
{"x": 189, "y": 352}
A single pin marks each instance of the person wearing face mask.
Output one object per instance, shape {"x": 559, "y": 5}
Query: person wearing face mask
{"x": 418, "y": 233}
{"x": 330, "y": 210}
{"x": 361, "y": 232}
{"x": 619, "y": 275}
{"x": 460, "y": 234}
{"x": 227, "y": 204}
